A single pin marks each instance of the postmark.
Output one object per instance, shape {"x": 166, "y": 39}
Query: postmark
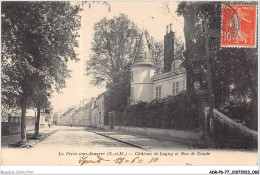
{"x": 239, "y": 26}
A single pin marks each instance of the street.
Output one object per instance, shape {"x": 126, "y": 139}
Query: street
{"x": 79, "y": 137}
{"x": 72, "y": 145}
{"x": 69, "y": 140}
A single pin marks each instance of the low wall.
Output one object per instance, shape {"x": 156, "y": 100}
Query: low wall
{"x": 173, "y": 134}
{"x": 225, "y": 131}
{"x": 10, "y": 128}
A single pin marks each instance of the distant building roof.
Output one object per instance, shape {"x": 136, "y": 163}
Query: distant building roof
{"x": 68, "y": 111}
{"x": 103, "y": 94}
{"x": 88, "y": 105}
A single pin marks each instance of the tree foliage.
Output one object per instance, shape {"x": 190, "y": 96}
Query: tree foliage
{"x": 113, "y": 48}
{"x": 38, "y": 38}
{"x": 234, "y": 75}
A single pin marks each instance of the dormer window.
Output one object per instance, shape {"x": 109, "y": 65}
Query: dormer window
{"x": 158, "y": 70}
{"x": 176, "y": 65}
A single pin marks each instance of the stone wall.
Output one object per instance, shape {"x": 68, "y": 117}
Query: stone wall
{"x": 193, "y": 137}
{"x": 10, "y": 128}
{"x": 226, "y": 132}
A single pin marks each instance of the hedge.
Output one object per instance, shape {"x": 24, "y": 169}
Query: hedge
{"x": 178, "y": 112}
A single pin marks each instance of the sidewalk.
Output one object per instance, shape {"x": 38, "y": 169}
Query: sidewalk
{"x": 139, "y": 141}
{"x": 44, "y": 133}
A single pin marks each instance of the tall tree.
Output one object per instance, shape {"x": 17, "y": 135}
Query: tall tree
{"x": 38, "y": 38}
{"x": 112, "y": 49}
{"x": 41, "y": 102}
{"x": 157, "y": 54}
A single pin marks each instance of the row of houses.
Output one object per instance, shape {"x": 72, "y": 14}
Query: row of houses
{"x": 88, "y": 113}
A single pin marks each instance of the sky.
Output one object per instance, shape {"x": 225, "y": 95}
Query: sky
{"x": 152, "y": 16}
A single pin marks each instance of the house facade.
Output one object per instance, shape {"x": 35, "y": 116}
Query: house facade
{"x": 56, "y": 118}
{"x": 66, "y": 118}
{"x": 101, "y": 110}
{"x": 87, "y": 115}
{"x": 93, "y": 112}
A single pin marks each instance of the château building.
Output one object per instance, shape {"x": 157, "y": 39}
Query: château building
{"x": 149, "y": 81}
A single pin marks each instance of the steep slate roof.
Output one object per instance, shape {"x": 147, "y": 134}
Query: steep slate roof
{"x": 143, "y": 52}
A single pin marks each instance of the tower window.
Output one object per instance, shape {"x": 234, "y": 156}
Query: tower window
{"x": 158, "y": 92}
{"x": 132, "y": 75}
{"x": 132, "y": 92}
{"x": 132, "y": 95}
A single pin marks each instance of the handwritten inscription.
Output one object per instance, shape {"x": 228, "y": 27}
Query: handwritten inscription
{"x": 84, "y": 160}
{"x": 121, "y": 160}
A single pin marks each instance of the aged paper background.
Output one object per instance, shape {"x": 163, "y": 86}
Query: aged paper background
{"x": 78, "y": 88}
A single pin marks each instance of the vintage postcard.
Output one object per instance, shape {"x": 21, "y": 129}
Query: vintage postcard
{"x": 128, "y": 83}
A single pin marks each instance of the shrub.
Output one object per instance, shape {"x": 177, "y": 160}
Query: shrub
{"x": 179, "y": 112}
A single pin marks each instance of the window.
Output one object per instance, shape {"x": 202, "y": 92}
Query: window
{"x": 132, "y": 92}
{"x": 102, "y": 104}
{"x": 213, "y": 44}
{"x": 175, "y": 88}
{"x": 158, "y": 70}
{"x": 132, "y": 75}
{"x": 158, "y": 92}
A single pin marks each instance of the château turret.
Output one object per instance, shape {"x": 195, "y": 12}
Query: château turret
{"x": 141, "y": 72}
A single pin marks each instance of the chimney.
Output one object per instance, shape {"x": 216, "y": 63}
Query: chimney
{"x": 170, "y": 27}
{"x": 168, "y": 49}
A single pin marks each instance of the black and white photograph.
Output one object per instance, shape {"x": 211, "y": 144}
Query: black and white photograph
{"x": 147, "y": 83}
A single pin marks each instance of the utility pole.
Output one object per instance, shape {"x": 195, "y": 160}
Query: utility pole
{"x": 209, "y": 71}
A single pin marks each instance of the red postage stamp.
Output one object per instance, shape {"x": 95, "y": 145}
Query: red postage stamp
{"x": 239, "y": 25}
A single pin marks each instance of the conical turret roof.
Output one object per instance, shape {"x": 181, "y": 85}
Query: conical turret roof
{"x": 143, "y": 51}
